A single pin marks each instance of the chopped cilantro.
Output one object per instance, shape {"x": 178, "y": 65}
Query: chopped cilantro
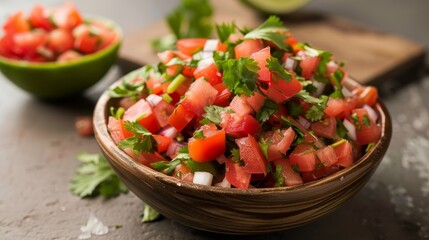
{"x": 355, "y": 119}
{"x": 199, "y": 134}
{"x": 263, "y": 144}
{"x": 166, "y": 167}
{"x": 224, "y": 30}
{"x": 118, "y": 113}
{"x": 213, "y": 114}
{"x": 95, "y": 176}
{"x": 294, "y": 108}
{"x": 278, "y": 177}
{"x": 133, "y": 83}
{"x": 278, "y": 70}
{"x": 268, "y": 109}
{"x": 295, "y": 167}
{"x": 235, "y": 156}
{"x": 299, "y": 134}
{"x": 315, "y": 113}
{"x": 369, "y": 147}
{"x": 271, "y": 30}
{"x": 341, "y": 129}
{"x": 142, "y": 141}
{"x": 366, "y": 120}
{"x": 337, "y": 77}
{"x": 240, "y": 75}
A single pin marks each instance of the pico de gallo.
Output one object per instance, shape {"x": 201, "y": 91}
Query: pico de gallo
{"x": 53, "y": 35}
{"x": 252, "y": 109}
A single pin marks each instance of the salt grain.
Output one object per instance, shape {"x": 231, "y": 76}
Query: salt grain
{"x": 93, "y": 226}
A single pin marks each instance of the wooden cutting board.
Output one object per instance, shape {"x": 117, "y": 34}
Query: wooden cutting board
{"x": 372, "y": 57}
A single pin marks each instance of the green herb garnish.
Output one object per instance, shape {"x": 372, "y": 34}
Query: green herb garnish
{"x": 271, "y": 30}
{"x": 149, "y": 214}
{"x": 240, "y": 75}
{"x": 141, "y": 142}
{"x": 268, "y": 109}
{"x": 279, "y": 72}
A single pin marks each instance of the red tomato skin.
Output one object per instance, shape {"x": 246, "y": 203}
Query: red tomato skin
{"x": 69, "y": 55}
{"x": 252, "y": 155}
{"x": 162, "y": 142}
{"x": 60, "y": 40}
{"x": 207, "y": 69}
{"x": 16, "y": 23}
{"x": 85, "y": 42}
{"x": 240, "y": 106}
{"x": 180, "y": 117}
{"x": 345, "y": 154}
{"x": 210, "y": 147}
{"x": 199, "y": 95}
{"x": 304, "y": 156}
{"x": 327, "y": 156}
{"x": 291, "y": 177}
{"x": 190, "y": 46}
{"x": 281, "y": 91}
{"x": 256, "y": 101}
{"x": 162, "y": 111}
{"x": 223, "y": 96}
{"x": 39, "y": 18}
{"x": 117, "y": 130}
{"x": 239, "y": 126}
{"x": 84, "y": 127}
{"x": 142, "y": 112}
{"x": 366, "y": 95}
{"x": 261, "y": 57}
{"x": 325, "y": 128}
{"x": 248, "y": 47}
{"x": 237, "y": 175}
{"x": 145, "y": 158}
{"x": 366, "y": 134}
{"x": 339, "y": 107}
{"x": 27, "y": 43}
{"x": 279, "y": 143}
{"x": 309, "y": 66}
{"x": 67, "y": 17}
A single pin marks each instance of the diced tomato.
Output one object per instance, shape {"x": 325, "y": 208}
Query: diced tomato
{"x": 223, "y": 96}
{"x": 279, "y": 142}
{"x": 237, "y": 175}
{"x": 180, "y": 117}
{"x": 327, "y": 156}
{"x": 86, "y": 41}
{"x": 281, "y": 91}
{"x": 339, "y": 107}
{"x": 60, "y": 40}
{"x": 366, "y": 95}
{"x": 117, "y": 130}
{"x": 276, "y": 119}
{"x": 145, "y": 158}
{"x": 325, "y": 128}
{"x": 199, "y": 95}
{"x": 6, "y": 42}
{"x": 17, "y": 23}
{"x": 39, "y": 18}
{"x": 304, "y": 156}
{"x": 27, "y": 43}
{"x": 84, "y": 126}
{"x": 207, "y": 69}
{"x": 367, "y": 131}
{"x": 67, "y": 17}
{"x": 256, "y": 101}
{"x": 309, "y": 66}
{"x": 190, "y": 46}
{"x": 69, "y": 55}
{"x": 162, "y": 142}
{"x": 261, "y": 57}
{"x": 240, "y": 106}
{"x": 252, "y": 155}
{"x": 142, "y": 112}
{"x": 239, "y": 126}
{"x": 210, "y": 147}
{"x": 183, "y": 172}
{"x": 248, "y": 47}
{"x": 291, "y": 177}
{"x": 344, "y": 153}
{"x": 162, "y": 111}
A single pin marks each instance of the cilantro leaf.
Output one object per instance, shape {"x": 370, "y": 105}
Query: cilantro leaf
{"x": 294, "y": 108}
{"x": 341, "y": 129}
{"x": 224, "y": 30}
{"x": 271, "y": 30}
{"x": 166, "y": 167}
{"x": 133, "y": 83}
{"x": 235, "y": 156}
{"x": 240, "y": 75}
{"x": 295, "y": 167}
{"x": 198, "y": 134}
{"x": 213, "y": 114}
{"x": 263, "y": 144}
{"x": 315, "y": 112}
{"x": 366, "y": 120}
{"x": 337, "y": 77}
{"x": 95, "y": 176}
{"x": 142, "y": 141}
{"x": 278, "y": 70}
{"x": 278, "y": 176}
{"x": 268, "y": 109}
{"x": 356, "y": 122}
{"x": 299, "y": 134}
{"x": 149, "y": 214}
{"x": 118, "y": 113}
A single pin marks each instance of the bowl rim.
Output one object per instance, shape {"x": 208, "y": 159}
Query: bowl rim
{"x": 125, "y": 161}
{"x": 84, "y": 59}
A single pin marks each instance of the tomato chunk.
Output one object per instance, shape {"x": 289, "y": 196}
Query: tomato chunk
{"x": 237, "y": 175}
{"x": 325, "y": 128}
{"x": 209, "y": 147}
{"x": 180, "y": 117}
{"x": 344, "y": 153}
{"x": 191, "y": 45}
{"x": 367, "y": 131}
{"x": 239, "y": 126}
{"x": 309, "y": 66}
{"x": 142, "y": 112}
{"x": 339, "y": 107}
{"x": 207, "y": 69}
{"x": 279, "y": 142}
{"x": 327, "y": 156}
{"x": 117, "y": 130}
{"x": 16, "y": 23}
{"x": 248, "y": 47}
{"x": 162, "y": 111}
{"x": 240, "y": 106}
{"x": 256, "y": 101}
{"x": 304, "y": 156}
{"x": 291, "y": 177}
{"x": 261, "y": 57}
{"x": 199, "y": 95}
{"x": 162, "y": 142}
{"x": 252, "y": 155}
{"x": 280, "y": 91}
{"x": 39, "y": 18}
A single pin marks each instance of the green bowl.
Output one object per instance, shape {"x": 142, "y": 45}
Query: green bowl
{"x": 60, "y": 80}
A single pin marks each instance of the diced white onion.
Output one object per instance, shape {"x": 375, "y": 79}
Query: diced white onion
{"x": 300, "y": 54}
{"x": 351, "y": 129}
{"x": 169, "y": 131}
{"x": 346, "y": 92}
{"x": 290, "y": 63}
{"x": 320, "y": 87}
{"x": 225, "y": 183}
{"x": 173, "y": 148}
{"x": 221, "y": 159}
{"x": 205, "y": 62}
{"x": 203, "y": 178}
{"x": 153, "y": 99}
{"x": 211, "y": 45}
{"x": 371, "y": 112}
{"x": 304, "y": 122}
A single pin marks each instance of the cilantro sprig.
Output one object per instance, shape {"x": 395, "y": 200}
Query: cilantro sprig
{"x": 268, "y": 109}
{"x": 271, "y": 30}
{"x": 240, "y": 75}
{"x": 314, "y": 113}
{"x": 213, "y": 114}
{"x": 94, "y": 176}
{"x": 133, "y": 83}
{"x": 279, "y": 72}
{"x": 141, "y": 142}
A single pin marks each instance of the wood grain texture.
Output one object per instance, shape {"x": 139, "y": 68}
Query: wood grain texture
{"x": 371, "y": 56}
{"x": 236, "y": 211}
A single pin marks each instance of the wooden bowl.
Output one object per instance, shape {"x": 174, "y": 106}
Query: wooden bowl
{"x": 235, "y": 211}
{"x": 53, "y": 80}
